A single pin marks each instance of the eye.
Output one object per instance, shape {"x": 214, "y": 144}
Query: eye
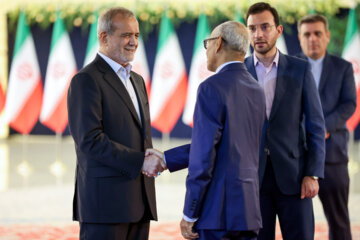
{"x": 252, "y": 28}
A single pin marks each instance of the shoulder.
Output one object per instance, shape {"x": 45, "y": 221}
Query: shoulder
{"x": 136, "y": 76}
{"x": 338, "y": 61}
{"x": 86, "y": 76}
{"x": 294, "y": 60}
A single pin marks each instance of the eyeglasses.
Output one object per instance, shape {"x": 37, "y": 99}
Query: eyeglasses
{"x": 265, "y": 28}
{"x": 206, "y": 41}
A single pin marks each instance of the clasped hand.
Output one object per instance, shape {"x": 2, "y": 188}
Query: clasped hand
{"x": 154, "y": 163}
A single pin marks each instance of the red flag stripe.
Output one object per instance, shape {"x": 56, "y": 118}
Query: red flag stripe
{"x": 355, "y": 118}
{"x": 173, "y": 108}
{"x": 29, "y": 114}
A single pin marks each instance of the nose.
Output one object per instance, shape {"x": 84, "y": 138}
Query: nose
{"x": 258, "y": 32}
{"x": 312, "y": 37}
{"x": 133, "y": 40}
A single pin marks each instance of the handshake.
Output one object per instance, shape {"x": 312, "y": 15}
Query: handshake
{"x": 154, "y": 163}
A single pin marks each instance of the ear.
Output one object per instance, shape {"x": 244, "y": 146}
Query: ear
{"x": 328, "y": 35}
{"x": 218, "y": 44}
{"x": 103, "y": 38}
{"x": 279, "y": 29}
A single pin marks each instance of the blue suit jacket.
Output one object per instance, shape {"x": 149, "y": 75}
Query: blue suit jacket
{"x": 222, "y": 188}
{"x": 338, "y": 99}
{"x": 295, "y": 97}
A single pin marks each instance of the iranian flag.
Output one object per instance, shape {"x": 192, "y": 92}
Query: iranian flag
{"x": 198, "y": 69}
{"x": 93, "y": 43}
{"x": 140, "y": 64}
{"x": 351, "y": 52}
{"x": 169, "y": 85}
{"x": 60, "y": 69}
{"x": 24, "y": 94}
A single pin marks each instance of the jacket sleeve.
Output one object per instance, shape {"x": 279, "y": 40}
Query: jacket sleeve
{"x": 207, "y": 132}
{"x": 315, "y": 127}
{"x": 177, "y": 158}
{"x": 346, "y": 104}
{"x": 85, "y": 123}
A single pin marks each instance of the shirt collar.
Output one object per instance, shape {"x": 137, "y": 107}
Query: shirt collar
{"x": 275, "y": 60}
{"x": 114, "y": 65}
{"x": 317, "y": 61}
{"x": 225, "y": 64}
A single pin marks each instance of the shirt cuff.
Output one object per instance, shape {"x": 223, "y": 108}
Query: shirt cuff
{"x": 186, "y": 218}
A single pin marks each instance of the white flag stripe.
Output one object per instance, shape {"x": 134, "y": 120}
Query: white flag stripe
{"x": 168, "y": 70}
{"x": 140, "y": 65}
{"x": 198, "y": 73}
{"x": 60, "y": 69}
{"x": 281, "y": 45}
{"x": 352, "y": 54}
{"x": 92, "y": 54}
{"x": 23, "y": 79}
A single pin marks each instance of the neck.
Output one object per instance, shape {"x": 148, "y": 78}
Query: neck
{"x": 267, "y": 58}
{"x": 224, "y": 58}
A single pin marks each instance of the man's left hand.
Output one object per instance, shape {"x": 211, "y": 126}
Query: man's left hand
{"x": 309, "y": 187}
{"x": 187, "y": 229}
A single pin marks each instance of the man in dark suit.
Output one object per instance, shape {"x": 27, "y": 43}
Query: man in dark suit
{"x": 110, "y": 123}
{"x": 288, "y": 171}
{"x": 334, "y": 79}
{"x": 222, "y": 191}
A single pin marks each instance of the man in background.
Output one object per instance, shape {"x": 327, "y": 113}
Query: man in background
{"x": 334, "y": 79}
{"x": 110, "y": 122}
{"x": 288, "y": 171}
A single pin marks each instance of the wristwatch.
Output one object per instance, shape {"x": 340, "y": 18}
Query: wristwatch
{"x": 314, "y": 177}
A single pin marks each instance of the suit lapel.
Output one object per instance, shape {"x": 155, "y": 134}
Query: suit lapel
{"x": 249, "y": 62}
{"x": 324, "y": 72}
{"x": 142, "y": 99}
{"x": 114, "y": 81}
{"x": 280, "y": 84}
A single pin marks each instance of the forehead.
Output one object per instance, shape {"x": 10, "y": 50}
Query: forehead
{"x": 312, "y": 27}
{"x": 261, "y": 18}
{"x": 125, "y": 24}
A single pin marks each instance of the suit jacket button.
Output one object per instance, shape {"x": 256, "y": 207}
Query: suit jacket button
{"x": 267, "y": 151}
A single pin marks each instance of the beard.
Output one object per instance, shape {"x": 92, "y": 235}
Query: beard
{"x": 265, "y": 48}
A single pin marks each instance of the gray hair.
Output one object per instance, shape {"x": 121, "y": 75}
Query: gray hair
{"x": 105, "y": 23}
{"x": 235, "y": 35}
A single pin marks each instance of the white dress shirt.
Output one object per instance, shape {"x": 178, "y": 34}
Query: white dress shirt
{"x": 124, "y": 75}
{"x": 316, "y": 69}
{"x": 267, "y": 79}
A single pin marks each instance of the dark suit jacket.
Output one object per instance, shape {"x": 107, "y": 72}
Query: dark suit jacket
{"x": 110, "y": 141}
{"x": 338, "y": 99}
{"x": 283, "y": 135}
{"x": 222, "y": 185}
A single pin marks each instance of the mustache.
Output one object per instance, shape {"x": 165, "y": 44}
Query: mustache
{"x": 260, "y": 41}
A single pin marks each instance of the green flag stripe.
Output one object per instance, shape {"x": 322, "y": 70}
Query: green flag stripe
{"x": 92, "y": 35}
{"x": 58, "y": 31}
{"x": 239, "y": 18}
{"x": 202, "y": 31}
{"x": 22, "y": 32}
{"x": 166, "y": 29}
{"x": 351, "y": 26}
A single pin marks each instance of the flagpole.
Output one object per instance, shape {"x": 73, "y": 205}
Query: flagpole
{"x": 57, "y": 168}
{"x": 165, "y": 140}
{"x": 24, "y": 168}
